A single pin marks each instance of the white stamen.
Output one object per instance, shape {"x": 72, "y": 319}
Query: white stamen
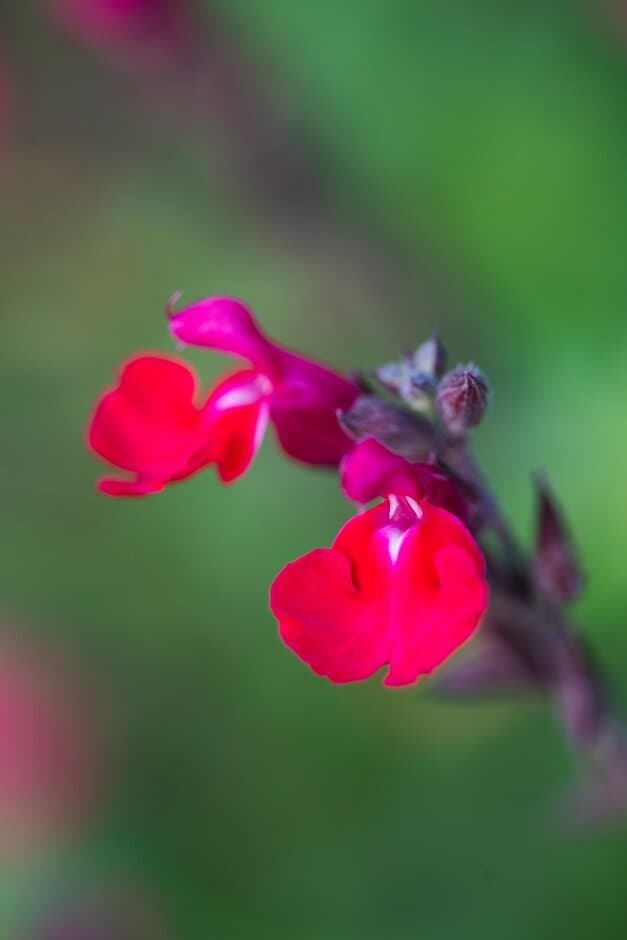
{"x": 395, "y": 505}
{"x": 415, "y": 506}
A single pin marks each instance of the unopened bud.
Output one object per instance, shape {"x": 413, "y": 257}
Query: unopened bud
{"x": 463, "y": 397}
{"x": 430, "y": 357}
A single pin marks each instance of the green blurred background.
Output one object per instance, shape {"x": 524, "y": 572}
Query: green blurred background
{"x": 472, "y": 163}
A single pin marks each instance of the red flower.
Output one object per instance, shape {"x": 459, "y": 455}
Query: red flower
{"x": 371, "y": 470}
{"x": 302, "y": 397}
{"x": 150, "y": 426}
{"x": 403, "y": 586}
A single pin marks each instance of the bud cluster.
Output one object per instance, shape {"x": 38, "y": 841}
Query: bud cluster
{"x": 458, "y": 398}
{"x": 415, "y": 377}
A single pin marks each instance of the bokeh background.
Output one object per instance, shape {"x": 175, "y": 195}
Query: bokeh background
{"x": 358, "y": 172}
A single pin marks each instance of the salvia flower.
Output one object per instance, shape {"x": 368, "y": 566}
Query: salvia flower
{"x": 155, "y": 426}
{"x": 403, "y": 585}
{"x": 302, "y": 397}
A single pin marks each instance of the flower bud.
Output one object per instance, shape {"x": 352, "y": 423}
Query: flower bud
{"x": 463, "y": 397}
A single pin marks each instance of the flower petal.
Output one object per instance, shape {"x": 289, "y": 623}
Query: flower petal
{"x": 129, "y": 488}
{"x": 149, "y": 424}
{"x": 370, "y": 470}
{"x": 312, "y": 437}
{"x": 225, "y": 324}
{"x": 333, "y": 604}
{"x": 304, "y": 408}
{"x": 239, "y": 414}
{"x": 441, "y": 595}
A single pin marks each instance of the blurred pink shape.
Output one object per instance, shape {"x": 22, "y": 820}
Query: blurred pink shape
{"x": 147, "y": 30}
{"x": 48, "y": 749}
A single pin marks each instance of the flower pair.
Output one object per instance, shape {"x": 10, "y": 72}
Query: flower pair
{"x": 403, "y": 584}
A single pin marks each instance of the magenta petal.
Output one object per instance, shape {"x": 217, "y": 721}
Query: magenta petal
{"x": 304, "y": 408}
{"x": 310, "y": 436}
{"x": 371, "y": 471}
{"x": 225, "y": 324}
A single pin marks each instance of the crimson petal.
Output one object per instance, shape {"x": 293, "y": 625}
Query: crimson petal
{"x": 403, "y": 584}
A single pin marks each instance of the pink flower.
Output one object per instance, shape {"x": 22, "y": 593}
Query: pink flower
{"x": 403, "y": 585}
{"x": 302, "y": 397}
{"x": 48, "y": 749}
{"x": 156, "y": 427}
{"x": 371, "y": 470}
